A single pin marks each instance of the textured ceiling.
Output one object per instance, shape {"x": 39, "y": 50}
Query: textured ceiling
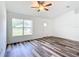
{"x": 24, "y": 7}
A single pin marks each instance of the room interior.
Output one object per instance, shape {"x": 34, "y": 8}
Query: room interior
{"x": 27, "y": 30}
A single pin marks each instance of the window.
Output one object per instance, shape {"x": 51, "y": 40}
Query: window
{"x": 21, "y": 27}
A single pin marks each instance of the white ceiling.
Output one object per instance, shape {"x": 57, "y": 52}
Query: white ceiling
{"x": 24, "y": 7}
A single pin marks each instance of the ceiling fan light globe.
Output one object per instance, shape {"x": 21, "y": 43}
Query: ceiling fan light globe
{"x": 41, "y": 7}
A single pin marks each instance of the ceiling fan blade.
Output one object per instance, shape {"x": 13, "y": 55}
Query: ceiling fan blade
{"x": 40, "y": 2}
{"x": 48, "y": 5}
{"x": 34, "y": 7}
{"x": 46, "y": 9}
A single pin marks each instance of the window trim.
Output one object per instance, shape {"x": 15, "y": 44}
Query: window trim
{"x": 23, "y": 28}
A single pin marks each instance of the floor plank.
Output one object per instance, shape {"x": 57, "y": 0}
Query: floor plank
{"x": 44, "y": 47}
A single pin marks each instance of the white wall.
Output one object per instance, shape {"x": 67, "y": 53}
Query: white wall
{"x": 38, "y": 29}
{"x": 67, "y": 26}
{"x": 2, "y": 28}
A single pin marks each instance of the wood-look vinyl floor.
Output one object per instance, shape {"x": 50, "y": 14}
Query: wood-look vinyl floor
{"x": 44, "y": 47}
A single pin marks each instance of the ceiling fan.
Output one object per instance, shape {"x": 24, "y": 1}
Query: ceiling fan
{"x": 41, "y": 5}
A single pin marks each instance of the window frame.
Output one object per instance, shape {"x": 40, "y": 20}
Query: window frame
{"x": 23, "y": 27}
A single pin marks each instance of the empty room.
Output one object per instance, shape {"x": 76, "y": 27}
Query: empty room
{"x": 39, "y": 28}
